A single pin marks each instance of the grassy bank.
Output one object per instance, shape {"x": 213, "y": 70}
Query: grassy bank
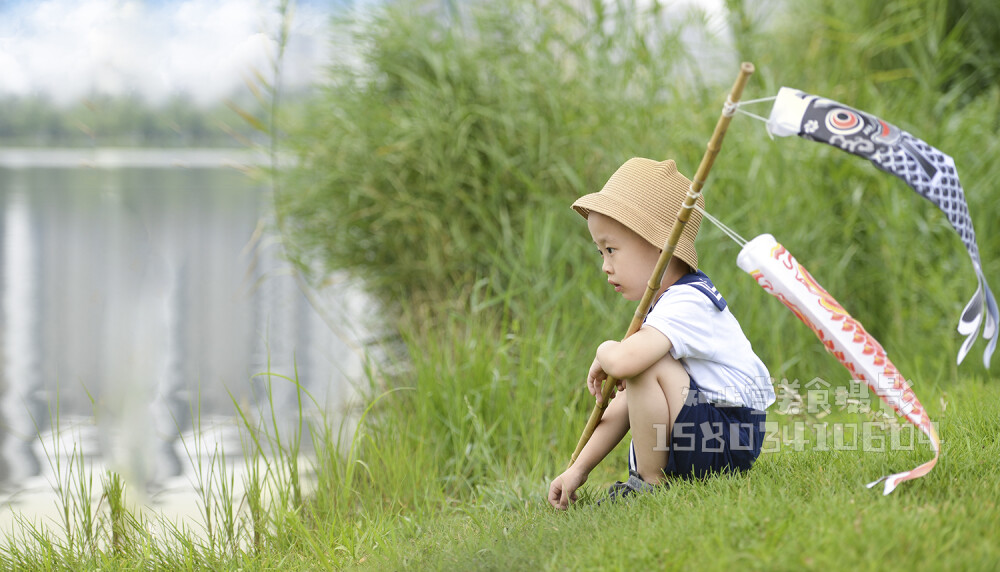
{"x": 424, "y": 167}
{"x": 797, "y": 509}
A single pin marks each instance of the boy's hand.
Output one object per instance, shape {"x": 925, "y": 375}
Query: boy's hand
{"x": 596, "y": 377}
{"x": 562, "y": 491}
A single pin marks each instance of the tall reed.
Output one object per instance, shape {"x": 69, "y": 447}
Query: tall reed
{"x": 425, "y": 156}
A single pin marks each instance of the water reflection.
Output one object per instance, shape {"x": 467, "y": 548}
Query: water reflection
{"x": 142, "y": 299}
{"x": 22, "y": 405}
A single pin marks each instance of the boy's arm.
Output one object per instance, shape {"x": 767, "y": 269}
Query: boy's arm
{"x": 621, "y": 360}
{"x": 608, "y": 433}
{"x": 635, "y": 354}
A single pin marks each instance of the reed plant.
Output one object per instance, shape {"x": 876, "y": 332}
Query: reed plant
{"x": 433, "y": 150}
{"x": 266, "y": 522}
{"x": 428, "y": 153}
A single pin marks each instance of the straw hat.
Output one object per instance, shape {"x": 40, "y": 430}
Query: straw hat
{"x": 645, "y": 196}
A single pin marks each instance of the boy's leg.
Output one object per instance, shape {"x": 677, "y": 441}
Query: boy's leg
{"x": 655, "y": 397}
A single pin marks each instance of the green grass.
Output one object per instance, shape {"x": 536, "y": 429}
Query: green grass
{"x": 794, "y": 510}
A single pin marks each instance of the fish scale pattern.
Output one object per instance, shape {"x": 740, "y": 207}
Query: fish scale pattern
{"x": 943, "y": 190}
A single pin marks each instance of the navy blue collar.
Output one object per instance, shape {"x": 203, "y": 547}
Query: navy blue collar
{"x": 703, "y": 284}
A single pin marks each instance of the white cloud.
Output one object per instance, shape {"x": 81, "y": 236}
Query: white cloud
{"x": 67, "y": 49}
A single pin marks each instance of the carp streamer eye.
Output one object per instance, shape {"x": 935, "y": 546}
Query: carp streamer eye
{"x": 842, "y": 121}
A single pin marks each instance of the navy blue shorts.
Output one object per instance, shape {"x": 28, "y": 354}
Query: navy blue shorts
{"x": 709, "y": 438}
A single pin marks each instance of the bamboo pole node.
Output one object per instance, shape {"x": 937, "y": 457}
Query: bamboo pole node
{"x": 729, "y": 108}
{"x": 693, "y": 195}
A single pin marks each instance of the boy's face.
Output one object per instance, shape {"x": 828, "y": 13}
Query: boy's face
{"x": 628, "y": 259}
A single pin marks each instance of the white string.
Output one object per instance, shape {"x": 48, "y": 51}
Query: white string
{"x": 752, "y": 101}
{"x": 754, "y": 115}
{"x": 730, "y": 108}
{"x": 728, "y": 231}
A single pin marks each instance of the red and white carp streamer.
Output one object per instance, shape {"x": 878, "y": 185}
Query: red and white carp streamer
{"x": 779, "y": 274}
{"x": 928, "y": 171}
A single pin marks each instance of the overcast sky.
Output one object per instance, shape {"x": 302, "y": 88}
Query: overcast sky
{"x": 67, "y": 49}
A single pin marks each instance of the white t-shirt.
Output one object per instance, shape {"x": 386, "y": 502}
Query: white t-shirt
{"x": 710, "y": 344}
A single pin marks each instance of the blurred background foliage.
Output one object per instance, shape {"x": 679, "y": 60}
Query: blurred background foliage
{"x": 423, "y": 160}
{"x": 130, "y": 121}
{"x": 453, "y": 130}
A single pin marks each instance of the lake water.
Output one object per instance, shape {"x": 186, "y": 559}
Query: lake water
{"x": 141, "y": 292}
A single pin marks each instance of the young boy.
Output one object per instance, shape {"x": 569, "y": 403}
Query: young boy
{"x": 689, "y": 373}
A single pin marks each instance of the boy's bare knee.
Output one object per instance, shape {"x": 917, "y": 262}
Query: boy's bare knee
{"x": 672, "y": 378}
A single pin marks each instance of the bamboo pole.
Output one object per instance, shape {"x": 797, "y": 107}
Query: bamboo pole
{"x": 707, "y": 160}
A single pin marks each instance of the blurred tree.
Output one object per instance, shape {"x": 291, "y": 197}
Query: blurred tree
{"x": 101, "y": 120}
